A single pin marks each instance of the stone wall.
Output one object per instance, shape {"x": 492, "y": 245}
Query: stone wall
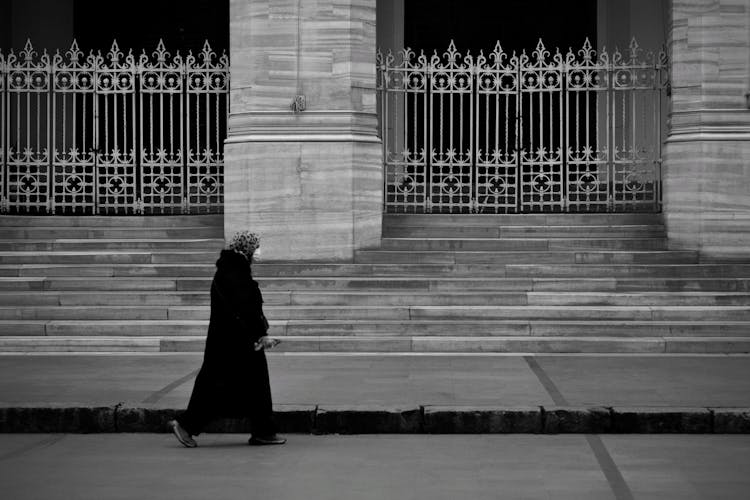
{"x": 707, "y": 160}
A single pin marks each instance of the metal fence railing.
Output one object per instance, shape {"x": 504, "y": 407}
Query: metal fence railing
{"x": 506, "y": 133}
{"x": 86, "y": 133}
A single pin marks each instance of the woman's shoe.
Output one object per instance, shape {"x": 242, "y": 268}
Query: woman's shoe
{"x": 266, "y": 440}
{"x": 182, "y": 435}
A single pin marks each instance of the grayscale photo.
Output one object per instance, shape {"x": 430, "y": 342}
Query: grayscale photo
{"x": 375, "y": 250}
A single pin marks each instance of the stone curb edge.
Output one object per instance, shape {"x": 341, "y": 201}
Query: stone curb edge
{"x": 428, "y": 419}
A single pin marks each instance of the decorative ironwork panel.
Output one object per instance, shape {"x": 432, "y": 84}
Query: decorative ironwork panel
{"x": 588, "y": 177}
{"x": 28, "y": 117}
{"x": 505, "y": 133}
{"x": 117, "y": 168}
{"x": 451, "y": 94}
{"x": 636, "y": 92}
{"x": 113, "y": 134}
{"x": 402, "y": 82}
{"x": 161, "y": 110}
{"x": 541, "y": 137}
{"x": 207, "y": 100}
{"x": 497, "y": 124}
{"x": 73, "y": 132}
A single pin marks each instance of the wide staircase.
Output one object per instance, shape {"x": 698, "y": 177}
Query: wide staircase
{"x": 439, "y": 283}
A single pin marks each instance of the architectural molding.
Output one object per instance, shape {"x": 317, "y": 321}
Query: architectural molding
{"x": 301, "y": 137}
{"x": 253, "y": 126}
{"x": 709, "y": 125}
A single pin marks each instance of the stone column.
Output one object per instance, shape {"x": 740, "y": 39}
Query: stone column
{"x": 707, "y": 162}
{"x": 309, "y": 182}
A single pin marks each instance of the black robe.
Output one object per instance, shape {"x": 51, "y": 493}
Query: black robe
{"x": 233, "y": 381}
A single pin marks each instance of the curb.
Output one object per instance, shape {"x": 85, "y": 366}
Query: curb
{"x": 429, "y": 419}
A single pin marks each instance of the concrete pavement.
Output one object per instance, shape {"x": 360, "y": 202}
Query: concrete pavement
{"x": 407, "y": 393}
{"x": 146, "y": 466}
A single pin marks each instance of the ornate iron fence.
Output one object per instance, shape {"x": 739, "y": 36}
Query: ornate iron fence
{"x": 113, "y": 134}
{"x": 508, "y": 133}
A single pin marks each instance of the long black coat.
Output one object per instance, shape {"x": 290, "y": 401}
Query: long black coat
{"x": 233, "y": 381}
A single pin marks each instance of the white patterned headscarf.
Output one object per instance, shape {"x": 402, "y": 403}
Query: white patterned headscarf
{"x": 244, "y": 242}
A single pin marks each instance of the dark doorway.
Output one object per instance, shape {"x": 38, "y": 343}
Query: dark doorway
{"x": 518, "y": 24}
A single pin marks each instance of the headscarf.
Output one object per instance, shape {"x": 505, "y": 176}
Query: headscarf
{"x": 245, "y": 243}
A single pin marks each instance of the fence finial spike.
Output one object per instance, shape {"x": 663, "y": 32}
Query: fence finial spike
{"x": 28, "y": 51}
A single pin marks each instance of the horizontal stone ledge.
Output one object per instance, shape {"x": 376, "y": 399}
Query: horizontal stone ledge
{"x": 482, "y": 420}
{"x": 731, "y": 420}
{"x": 657, "y": 420}
{"x": 54, "y": 418}
{"x": 381, "y": 419}
{"x": 368, "y": 420}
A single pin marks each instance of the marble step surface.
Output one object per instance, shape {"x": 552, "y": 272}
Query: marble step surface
{"x": 525, "y": 244}
{"x": 393, "y": 297}
{"x": 439, "y": 283}
{"x": 111, "y": 221}
{"x": 392, "y": 312}
{"x": 362, "y": 257}
{"x": 567, "y": 219}
{"x": 528, "y": 257}
{"x": 530, "y": 231}
{"x": 579, "y": 278}
{"x": 69, "y": 245}
{"x": 404, "y": 244}
{"x": 126, "y": 233}
{"x": 394, "y": 344}
{"x": 376, "y": 327}
{"x": 100, "y": 256}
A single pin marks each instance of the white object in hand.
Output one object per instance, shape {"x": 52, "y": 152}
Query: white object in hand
{"x": 266, "y": 343}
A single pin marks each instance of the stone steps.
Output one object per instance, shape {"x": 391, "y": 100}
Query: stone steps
{"x": 215, "y": 222}
{"x": 106, "y": 257}
{"x": 526, "y": 244}
{"x": 498, "y": 220}
{"x": 390, "y": 327}
{"x": 696, "y": 345}
{"x": 100, "y": 278}
{"x": 579, "y": 231}
{"x": 448, "y": 257}
{"x": 484, "y": 283}
{"x": 121, "y": 245}
{"x": 372, "y": 297}
{"x": 395, "y": 271}
{"x": 126, "y": 233}
{"x": 390, "y": 312}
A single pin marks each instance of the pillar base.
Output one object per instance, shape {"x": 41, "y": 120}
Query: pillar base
{"x": 308, "y": 200}
{"x": 706, "y": 197}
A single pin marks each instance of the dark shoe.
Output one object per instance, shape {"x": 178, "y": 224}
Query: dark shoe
{"x": 266, "y": 440}
{"x": 182, "y": 435}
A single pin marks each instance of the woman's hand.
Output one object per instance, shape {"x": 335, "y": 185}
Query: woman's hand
{"x": 266, "y": 342}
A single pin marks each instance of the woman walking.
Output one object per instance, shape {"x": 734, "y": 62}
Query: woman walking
{"x": 233, "y": 381}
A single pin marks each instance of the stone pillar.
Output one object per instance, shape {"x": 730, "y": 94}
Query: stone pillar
{"x": 309, "y": 182}
{"x": 707, "y": 162}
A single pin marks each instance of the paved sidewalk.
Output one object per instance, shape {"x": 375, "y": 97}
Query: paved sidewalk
{"x": 400, "y": 380}
{"x": 409, "y": 467}
{"x": 401, "y": 393}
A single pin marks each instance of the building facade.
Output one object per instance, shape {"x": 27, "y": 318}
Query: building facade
{"x": 304, "y": 158}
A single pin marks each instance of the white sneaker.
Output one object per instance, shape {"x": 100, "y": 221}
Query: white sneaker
{"x": 182, "y": 435}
